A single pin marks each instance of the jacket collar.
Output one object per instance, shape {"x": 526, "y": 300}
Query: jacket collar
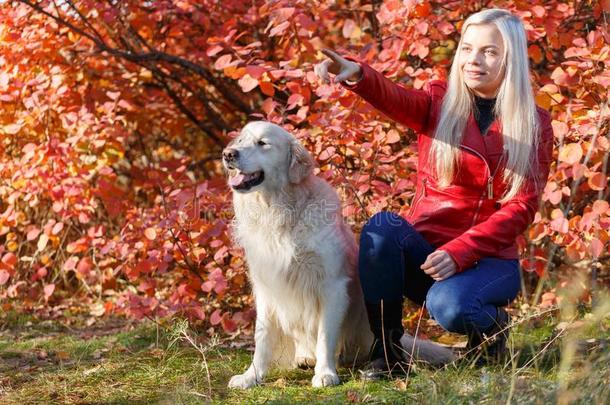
{"x": 473, "y": 139}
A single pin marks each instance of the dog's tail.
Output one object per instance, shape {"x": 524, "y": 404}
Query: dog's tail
{"x": 426, "y": 351}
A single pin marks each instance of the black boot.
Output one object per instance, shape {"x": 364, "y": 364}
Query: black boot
{"x": 489, "y": 346}
{"x": 386, "y": 353}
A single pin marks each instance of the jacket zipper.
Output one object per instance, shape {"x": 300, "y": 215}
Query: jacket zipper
{"x": 490, "y": 181}
{"x": 422, "y": 195}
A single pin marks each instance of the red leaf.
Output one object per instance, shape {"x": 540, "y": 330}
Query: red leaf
{"x": 48, "y": 290}
{"x": 33, "y": 234}
{"x": 255, "y": 71}
{"x": 70, "y": 264}
{"x": 596, "y": 247}
{"x": 84, "y": 266}
{"x": 113, "y": 95}
{"x": 198, "y": 312}
{"x": 327, "y": 153}
{"x": 228, "y": 324}
{"x": 222, "y": 62}
{"x": 215, "y": 318}
{"x": 213, "y": 50}
{"x": 9, "y": 260}
{"x": 57, "y": 228}
{"x": 279, "y": 29}
{"x": 4, "y": 276}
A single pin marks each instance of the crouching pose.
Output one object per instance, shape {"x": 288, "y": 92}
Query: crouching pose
{"x": 484, "y": 155}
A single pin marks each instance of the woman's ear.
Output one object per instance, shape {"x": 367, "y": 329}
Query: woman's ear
{"x": 301, "y": 163}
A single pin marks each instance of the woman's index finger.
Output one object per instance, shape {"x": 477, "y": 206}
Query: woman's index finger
{"x": 332, "y": 54}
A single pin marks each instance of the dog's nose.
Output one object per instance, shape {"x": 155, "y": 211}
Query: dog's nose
{"x": 230, "y": 155}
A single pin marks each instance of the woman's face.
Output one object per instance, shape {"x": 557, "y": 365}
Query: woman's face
{"x": 480, "y": 59}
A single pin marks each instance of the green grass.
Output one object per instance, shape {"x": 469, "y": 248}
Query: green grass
{"x": 43, "y": 362}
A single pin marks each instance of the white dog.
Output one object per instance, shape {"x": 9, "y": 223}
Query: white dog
{"x": 301, "y": 258}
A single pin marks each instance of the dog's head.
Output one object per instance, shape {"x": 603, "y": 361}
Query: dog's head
{"x": 264, "y": 155}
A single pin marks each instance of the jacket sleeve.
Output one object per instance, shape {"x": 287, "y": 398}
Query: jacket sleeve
{"x": 503, "y": 226}
{"x": 409, "y": 107}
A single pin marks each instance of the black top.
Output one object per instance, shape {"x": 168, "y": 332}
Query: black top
{"x": 484, "y": 112}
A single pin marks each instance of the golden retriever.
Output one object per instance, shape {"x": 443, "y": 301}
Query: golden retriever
{"x": 302, "y": 261}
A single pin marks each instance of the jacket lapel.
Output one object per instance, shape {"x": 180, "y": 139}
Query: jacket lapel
{"x": 472, "y": 138}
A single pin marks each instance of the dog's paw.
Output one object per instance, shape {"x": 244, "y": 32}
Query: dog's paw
{"x": 243, "y": 381}
{"x": 325, "y": 379}
{"x": 305, "y": 362}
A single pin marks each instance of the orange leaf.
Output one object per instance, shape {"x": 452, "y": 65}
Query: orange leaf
{"x": 423, "y": 9}
{"x": 560, "y": 77}
{"x": 600, "y": 206}
{"x": 598, "y": 181}
{"x": 267, "y": 88}
{"x": 535, "y": 53}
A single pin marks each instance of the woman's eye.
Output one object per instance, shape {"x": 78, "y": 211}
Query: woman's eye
{"x": 491, "y": 52}
{"x": 466, "y": 49}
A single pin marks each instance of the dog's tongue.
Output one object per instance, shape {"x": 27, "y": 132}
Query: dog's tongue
{"x": 236, "y": 180}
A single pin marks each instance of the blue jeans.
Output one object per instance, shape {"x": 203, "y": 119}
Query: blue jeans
{"x": 391, "y": 253}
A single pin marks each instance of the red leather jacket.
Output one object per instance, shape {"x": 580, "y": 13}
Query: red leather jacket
{"x": 465, "y": 219}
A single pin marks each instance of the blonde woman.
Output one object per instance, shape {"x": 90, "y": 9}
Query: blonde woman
{"x": 484, "y": 155}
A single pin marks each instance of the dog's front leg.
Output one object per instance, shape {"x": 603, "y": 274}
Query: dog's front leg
{"x": 265, "y": 336}
{"x": 333, "y": 309}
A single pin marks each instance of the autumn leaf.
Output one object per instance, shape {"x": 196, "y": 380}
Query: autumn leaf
{"x": 597, "y": 181}
{"x": 247, "y": 83}
{"x": 150, "y": 233}
{"x": 570, "y": 153}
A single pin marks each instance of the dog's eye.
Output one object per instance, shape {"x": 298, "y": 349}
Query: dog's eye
{"x": 261, "y": 143}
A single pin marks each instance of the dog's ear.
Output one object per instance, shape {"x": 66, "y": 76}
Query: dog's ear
{"x": 301, "y": 163}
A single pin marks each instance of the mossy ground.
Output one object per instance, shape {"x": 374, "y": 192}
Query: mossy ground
{"x": 117, "y": 362}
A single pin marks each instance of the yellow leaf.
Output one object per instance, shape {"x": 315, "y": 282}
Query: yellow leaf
{"x": 570, "y": 153}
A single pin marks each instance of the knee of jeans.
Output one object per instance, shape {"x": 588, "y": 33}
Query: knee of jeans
{"x": 378, "y": 231}
{"x": 453, "y": 314}
{"x": 382, "y": 223}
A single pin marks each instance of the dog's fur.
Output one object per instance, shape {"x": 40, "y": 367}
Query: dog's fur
{"x": 301, "y": 258}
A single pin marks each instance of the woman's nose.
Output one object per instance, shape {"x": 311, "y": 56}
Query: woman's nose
{"x": 474, "y": 58}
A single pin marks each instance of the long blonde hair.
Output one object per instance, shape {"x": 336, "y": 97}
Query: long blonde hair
{"x": 515, "y": 106}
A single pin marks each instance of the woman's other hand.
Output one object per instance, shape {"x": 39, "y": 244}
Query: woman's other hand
{"x": 439, "y": 265}
{"x": 342, "y": 68}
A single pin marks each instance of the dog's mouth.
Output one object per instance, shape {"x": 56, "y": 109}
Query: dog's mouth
{"x": 245, "y": 181}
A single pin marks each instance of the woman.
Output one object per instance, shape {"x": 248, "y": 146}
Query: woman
{"x": 484, "y": 156}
